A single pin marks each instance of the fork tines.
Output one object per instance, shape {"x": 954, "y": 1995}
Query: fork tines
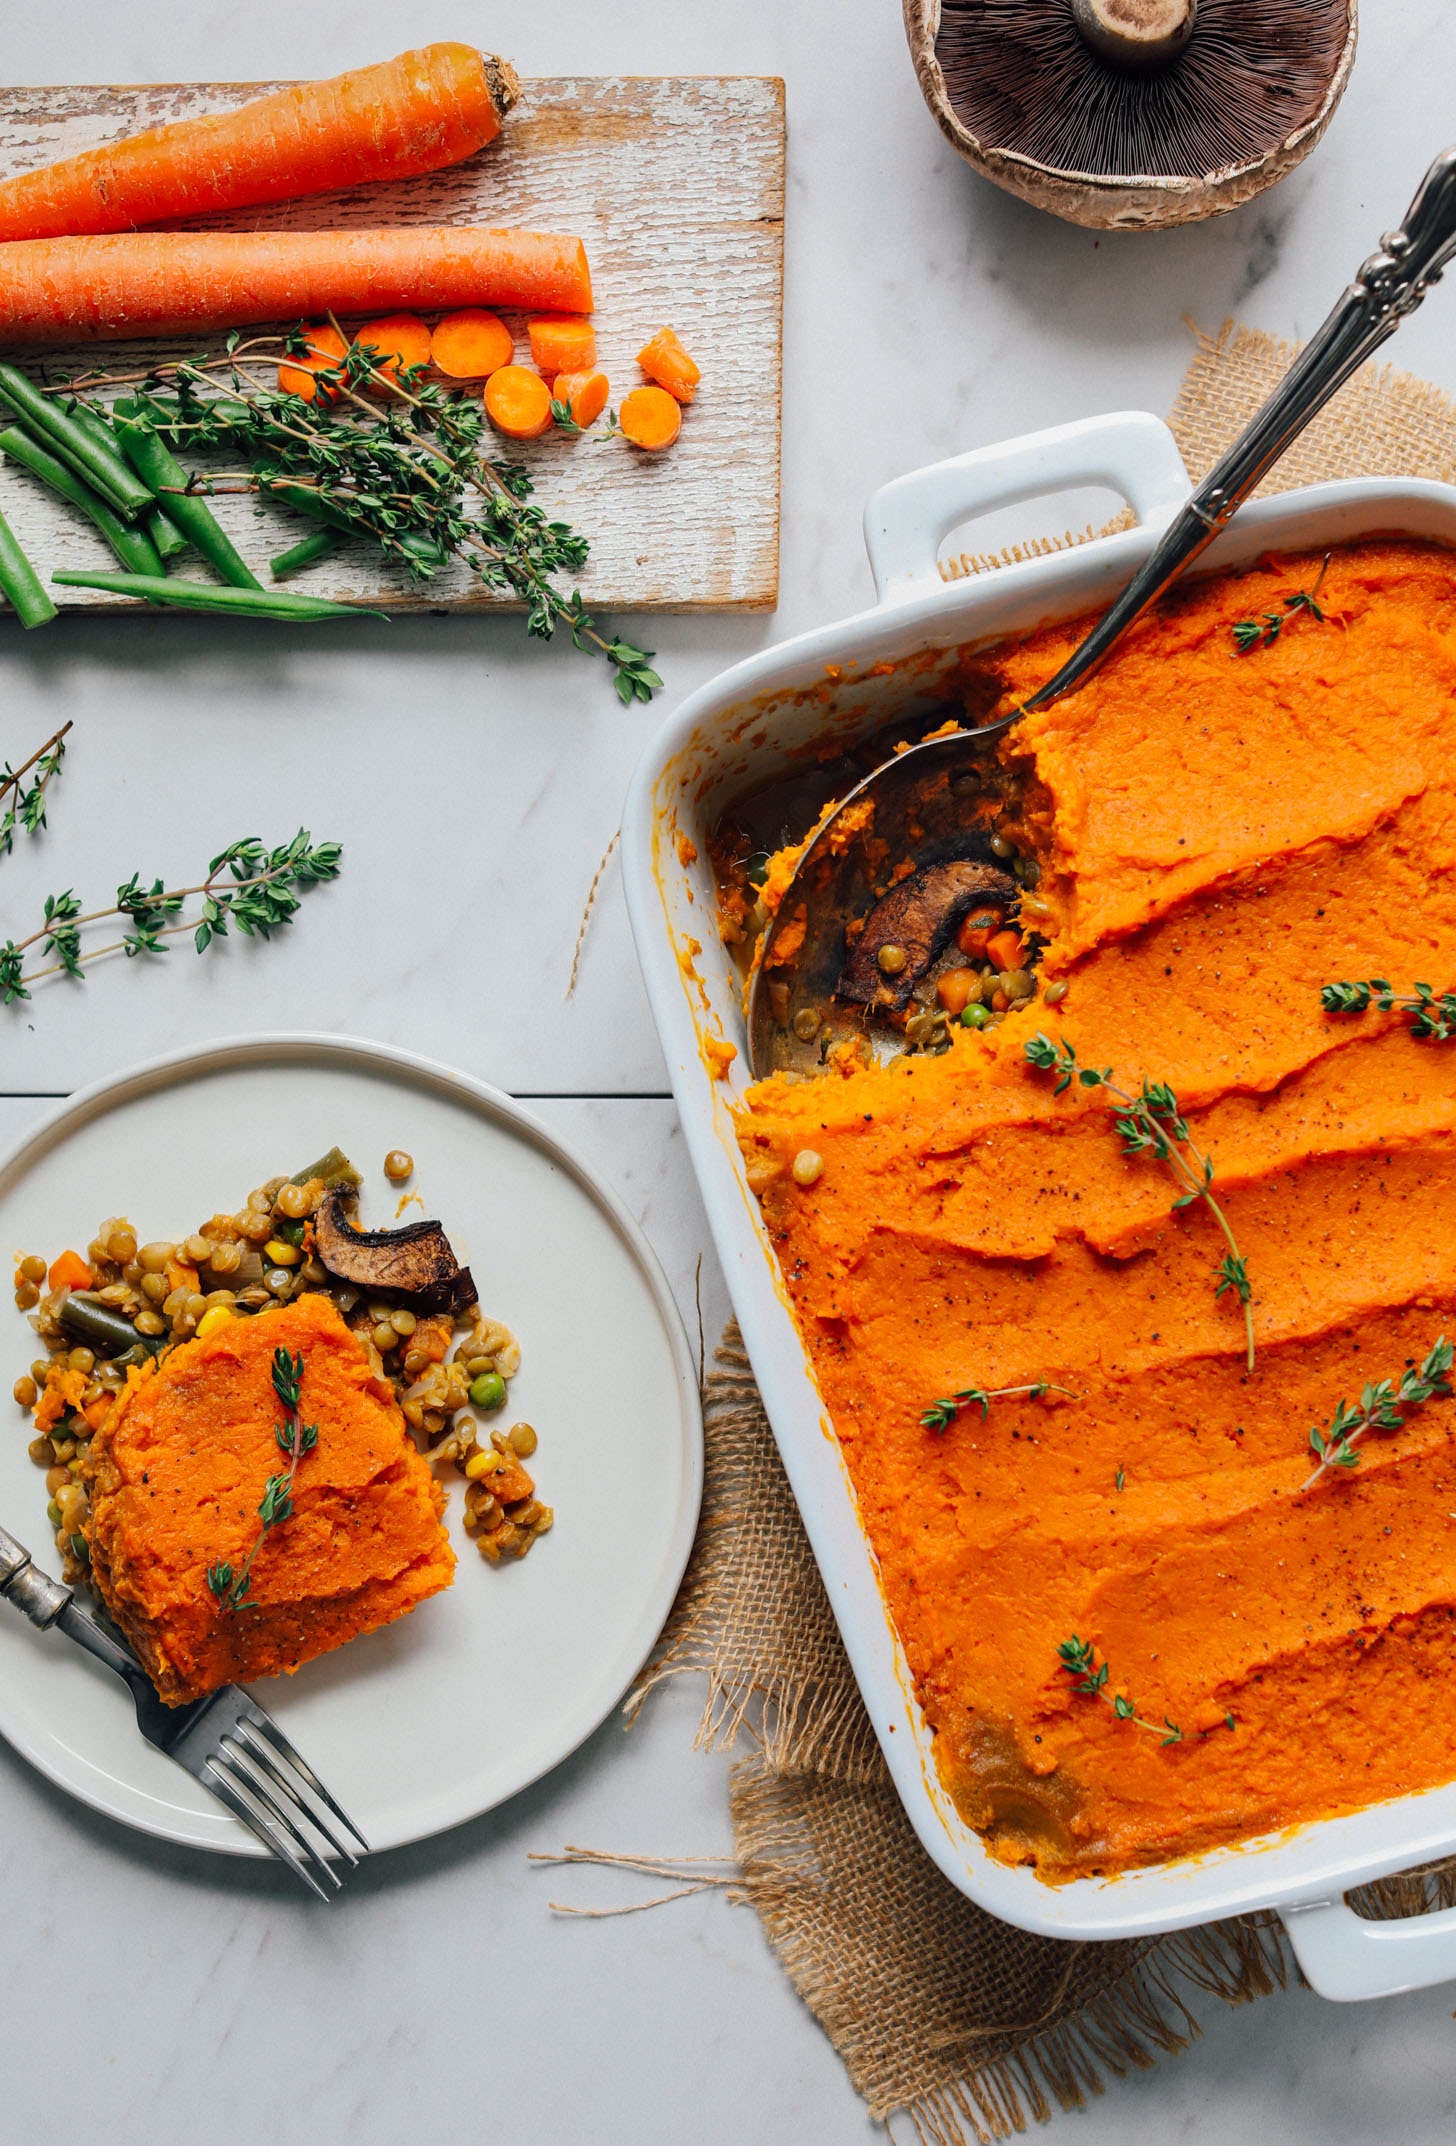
{"x": 265, "y": 1783}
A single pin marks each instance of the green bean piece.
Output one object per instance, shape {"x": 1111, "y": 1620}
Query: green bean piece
{"x": 108, "y": 1332}
{"x": 21, "y": 583}
{"x": 102, "y": 467}
{"x": 168, "y": 539}
{"x": 334, "y": 1168}
{"x": 153, "y": 460}
{"x": 133, "y": 547}
{"x": 316, "y": 545}
{"x": 202, "y": 596}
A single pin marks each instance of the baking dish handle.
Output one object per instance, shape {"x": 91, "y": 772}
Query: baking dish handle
{"x": 1347, "y": 1958}
{"x": 906, "y": 522}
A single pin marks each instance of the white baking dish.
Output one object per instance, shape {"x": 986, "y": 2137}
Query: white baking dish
{"x": 736, "y": 733}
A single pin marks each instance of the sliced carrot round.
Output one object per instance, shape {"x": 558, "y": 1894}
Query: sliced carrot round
{"x": 561, "y": 343}
{"x": 585, "y": 395}
{"x": 327, "y": 349}
{"x": 397, "y": 341}
{"x": 518, "y": 403}
{"x": 471, "y": 345}
{"x": 665, "y": 361}
{"x": 650, "y": 418}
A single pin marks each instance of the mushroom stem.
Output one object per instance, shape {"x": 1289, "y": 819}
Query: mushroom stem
{"x": 1136, "y": 33}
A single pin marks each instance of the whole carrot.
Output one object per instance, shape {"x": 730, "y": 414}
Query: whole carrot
{"x": 417, "y": 113}
{"x": 66, "y": 290}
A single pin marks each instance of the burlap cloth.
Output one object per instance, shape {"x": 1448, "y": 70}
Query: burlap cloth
{"x": 936, "y": 2008}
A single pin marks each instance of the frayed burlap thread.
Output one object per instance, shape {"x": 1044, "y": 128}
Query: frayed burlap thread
{"x": 969, "y": 2026}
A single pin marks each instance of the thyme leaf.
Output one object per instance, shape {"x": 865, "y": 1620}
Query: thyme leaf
{"x": 1151, "y": 1123}
{"x": 941, "y": 1414}
{"x": 1079, "y": 1658}
{"x": 24, "y": 803}
{"x": 1262, "y": 632}
{"x": 1431, "y": 1015}
{"x": 1381, "y": 1407}
{"x": 276, "y": 1505}
{"x": 249, "y": 888}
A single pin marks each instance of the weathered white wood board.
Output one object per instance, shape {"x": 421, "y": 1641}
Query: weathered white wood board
{"x": 677, "y": 188}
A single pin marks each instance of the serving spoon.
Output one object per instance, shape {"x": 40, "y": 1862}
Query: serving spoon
{"x": 915, "y": 802}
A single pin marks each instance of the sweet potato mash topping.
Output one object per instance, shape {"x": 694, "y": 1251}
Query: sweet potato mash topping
{"x": 176, "y": 1475}
{"x": 1227, "y": 834}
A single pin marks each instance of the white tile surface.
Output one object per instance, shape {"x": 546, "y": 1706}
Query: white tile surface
{"x": 475, "y": 779}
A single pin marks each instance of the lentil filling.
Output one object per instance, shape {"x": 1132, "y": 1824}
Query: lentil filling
{"x": 1218, "y": 835}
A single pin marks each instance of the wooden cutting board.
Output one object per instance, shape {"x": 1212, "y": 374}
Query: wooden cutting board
{"x": 677, "y": 188}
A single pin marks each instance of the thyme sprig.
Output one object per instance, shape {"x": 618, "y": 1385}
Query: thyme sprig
{"x": 1431, "y": 1015}
{"x": 385, "y": 456}
{"x": 24, "y": 803}
{"x": 941, "y": 1414}
{"x": 1151, "y": 1123}
{"x": 1380, "y": 1408}
{"x": 247, "y": 886}
{"x": 1078, "y": 1658}
{"x": 1262, "y": 632}
{"x": 296, "y": 1438}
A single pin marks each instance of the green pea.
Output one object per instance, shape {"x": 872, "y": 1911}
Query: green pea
{"x": 487, "y": 1391}
{"x": 974, "y": 1016}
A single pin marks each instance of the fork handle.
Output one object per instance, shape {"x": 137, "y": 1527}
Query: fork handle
{"x": 33, "y": 1592}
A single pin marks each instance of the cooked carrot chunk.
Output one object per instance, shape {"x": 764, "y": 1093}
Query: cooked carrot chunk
{"x": 562, "y": 344}
{"x": 518, "y": 403}
{"x": 471, "y": 345}
{"x": 665, "y": 361}
{"x": 585, "y": 395}
{"x": 650, "y": 418}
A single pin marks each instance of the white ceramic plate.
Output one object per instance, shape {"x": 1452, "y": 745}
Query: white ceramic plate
{"x": 487, "y": 1686}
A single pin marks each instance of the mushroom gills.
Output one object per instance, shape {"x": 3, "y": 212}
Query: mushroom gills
{"x": 415, "y": 1263}
{"x": 1068, "y": 101}
{"x": 919, "y": 914}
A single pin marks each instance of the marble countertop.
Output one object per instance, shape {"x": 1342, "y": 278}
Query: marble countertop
{"x": 161, "y": 1992}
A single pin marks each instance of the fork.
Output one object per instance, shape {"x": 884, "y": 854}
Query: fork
{"x": 225, "y": 1741}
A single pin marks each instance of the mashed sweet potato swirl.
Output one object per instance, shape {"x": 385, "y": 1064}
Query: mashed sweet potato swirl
{"x": 1226, "y": 834}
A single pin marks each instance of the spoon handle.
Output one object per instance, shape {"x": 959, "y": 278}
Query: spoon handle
{"x": 1389, "y": 285}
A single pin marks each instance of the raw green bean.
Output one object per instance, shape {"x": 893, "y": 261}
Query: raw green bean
{"x": 102, "y": 467}
{"x": 316, "y": 545}
{"x": 152, "y": 459}
{"x": 167, "y": 542}
{"x": 202, "y": 596}
{"x": 21, "y": 583}
{"x": 168, "y": 539}
{"x": 133, "y": 547}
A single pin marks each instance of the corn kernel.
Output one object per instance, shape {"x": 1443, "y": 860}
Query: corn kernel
{"x": 220, "y": 1315}
{"x": 482, "y": 1463}
{"x": 278, "y": 1253}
